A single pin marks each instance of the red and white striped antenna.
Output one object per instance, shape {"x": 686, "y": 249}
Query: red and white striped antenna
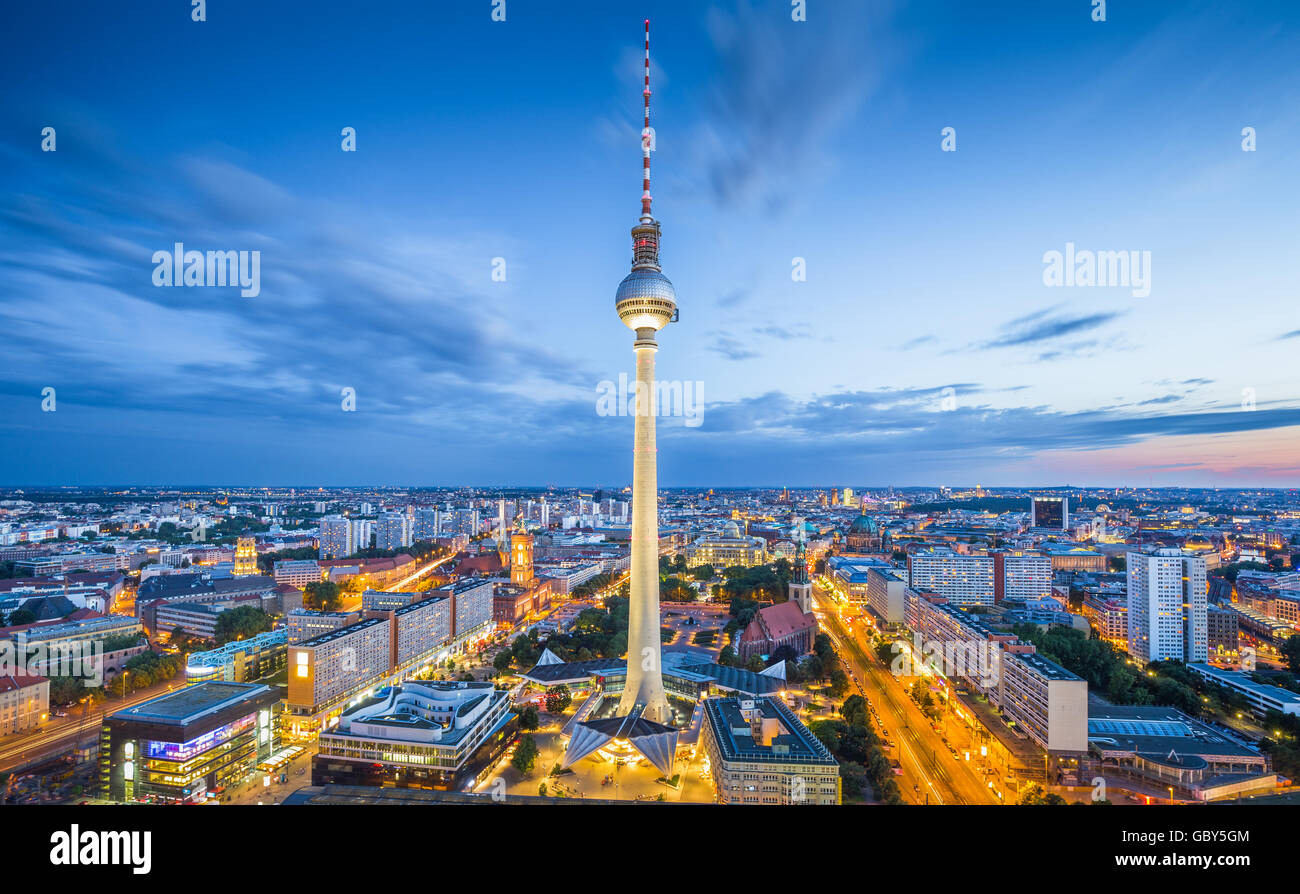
{"x": 645, "y": 133}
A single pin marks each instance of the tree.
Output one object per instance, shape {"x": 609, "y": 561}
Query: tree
{"x": 525, "y": 754}
{"x": 1035, "y": 794}
{"x": 783, "y": 652}
{"x": 558, "y": 699}
{"x": 241, "y": 623}
{"x": 528, "y": 718}
{"x": 524, "y": 650}
{"x": 21, "y": 616}
{"x": 1291, "y": 653}
{"x": 66, "y": 690}
{"x": 853, "y": 779}
{"x": 322, "y": 596}
{"x": 855, "y": 711}
{"x": 503, "y": 661}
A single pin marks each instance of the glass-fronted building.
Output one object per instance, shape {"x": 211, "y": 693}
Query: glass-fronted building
{"x": 180, "y": 746}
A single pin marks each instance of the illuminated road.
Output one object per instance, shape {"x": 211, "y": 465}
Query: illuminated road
{"x": 61, "y": 734}
{"x": 410, "y": 579}
{"x": 921, "y": 752}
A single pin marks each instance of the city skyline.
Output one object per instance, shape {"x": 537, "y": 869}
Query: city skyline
{"x": 923, "y": 347}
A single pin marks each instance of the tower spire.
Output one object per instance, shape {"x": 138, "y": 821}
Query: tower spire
{"x": 646, "y": 302}
{"x": 645, "y": 135}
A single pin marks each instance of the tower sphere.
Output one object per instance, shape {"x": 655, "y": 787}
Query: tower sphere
{"x": 645, "y": 299}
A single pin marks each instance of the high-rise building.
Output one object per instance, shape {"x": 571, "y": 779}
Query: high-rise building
{"x": 1049, "y": 512}
{"x": 341, "y": 537}
{"x": 337, "y": 537}
{"x": 1021, "y": 576}
{"x": 463, "y": 521}
{"x": 646, "y": 302}
{"x": 393, "y": 530}
{"x": 966, "y": 580}
{"x": 885, "y": 595}
{"x": 1167, "y": 606}
{"x": 426, "y": 524}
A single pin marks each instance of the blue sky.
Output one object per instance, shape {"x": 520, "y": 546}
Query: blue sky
{"x": 775, "y": 140}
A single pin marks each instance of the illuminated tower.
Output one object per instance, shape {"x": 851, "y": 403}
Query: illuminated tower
{"x": 521, "y": 559}
{"x": 800, "y": 586}
{"x": 646, "y": 303}
{"x": 245, "y": 557}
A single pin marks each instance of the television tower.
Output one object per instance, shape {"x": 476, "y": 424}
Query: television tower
{"x": 646, "y": 302}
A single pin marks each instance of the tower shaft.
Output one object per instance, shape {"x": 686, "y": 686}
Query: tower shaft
{"x": 645, "y": 682}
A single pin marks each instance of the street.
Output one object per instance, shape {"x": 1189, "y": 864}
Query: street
{"x": 60, "y": 734}
{"x": 931, "y": 775}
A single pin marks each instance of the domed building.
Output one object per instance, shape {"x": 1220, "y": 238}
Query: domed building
{"x": 727, "y": 548}
{"x": 863, "y": 535}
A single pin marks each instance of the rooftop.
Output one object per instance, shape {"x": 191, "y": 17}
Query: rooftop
{"x": 794, "y": 744}
{"x": 1158, "y": 732}
{"x": 187, "y": 705}
{"x": 1243, "y": 681}
{"x": 339, "y": 633}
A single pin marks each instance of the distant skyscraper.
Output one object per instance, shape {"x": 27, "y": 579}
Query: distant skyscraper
{"x": 427, "y": 524}
{"x": 337, "y": 539}
{"x": 340, "y": 537}
{"x": 393, "y": 531}
{"x": 1049, "y": 512}
{"x": 646, "y": 302}
{"x": 1167, "y": 606}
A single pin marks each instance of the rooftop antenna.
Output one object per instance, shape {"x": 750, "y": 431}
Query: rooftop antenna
{"x": 645, "y": 134}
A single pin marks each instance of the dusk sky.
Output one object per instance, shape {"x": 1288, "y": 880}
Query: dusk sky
{"x": 776, "y": 140}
